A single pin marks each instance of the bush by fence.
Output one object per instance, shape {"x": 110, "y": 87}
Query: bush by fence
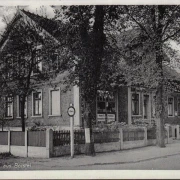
{"x": 17, "y": 138}
{"x": 133, "y": 134}
{"x": 106, "y": 136}
{"x": 4, "y": 138}
{"x": 151, "y": 133}
{"x": 37, "y": 138}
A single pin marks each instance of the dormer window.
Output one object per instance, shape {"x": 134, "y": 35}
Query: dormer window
{"x": 37, "y": 66}
{"x": 54, "y": 61}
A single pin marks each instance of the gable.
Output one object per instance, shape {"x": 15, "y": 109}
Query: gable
{"x": 36, "y": 21}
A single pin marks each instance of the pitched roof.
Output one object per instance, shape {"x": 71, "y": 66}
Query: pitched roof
{"x": 49, "y": 25}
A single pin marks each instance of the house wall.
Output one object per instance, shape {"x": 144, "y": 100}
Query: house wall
{"x": 62, "y": 121}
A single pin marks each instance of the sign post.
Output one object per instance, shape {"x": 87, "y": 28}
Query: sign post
{"x": 71, "y": 112}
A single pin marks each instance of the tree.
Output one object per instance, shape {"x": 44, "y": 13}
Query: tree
{"x": 22, "y": 55}
{"x": 85, "y": 38}
{"x": 149, "y": 29}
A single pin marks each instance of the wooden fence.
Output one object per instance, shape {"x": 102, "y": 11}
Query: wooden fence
{"x": 61, "y": 138}
{"x": 133, "y": 134}
{"x": 37, "y": 138}
{"x": 4, "y": 138}
{"x": 17, "y": 138}
{"x": 106, "y": 136}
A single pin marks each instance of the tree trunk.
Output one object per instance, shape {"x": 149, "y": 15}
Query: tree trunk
{"x": 89, "y": 142}
{"x": 160, "y": 131}
{"x": 22, "y": 104}
{"x": 160, "y": 105}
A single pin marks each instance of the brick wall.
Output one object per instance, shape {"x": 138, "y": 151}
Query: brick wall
{"x": 65, "y": 99}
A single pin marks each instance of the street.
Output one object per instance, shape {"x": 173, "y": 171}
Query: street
{"x": 146, "y": 158}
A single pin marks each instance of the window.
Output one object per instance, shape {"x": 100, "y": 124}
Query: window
{"x": 37, "y": 63}
{"x": 178, "y": 106}
{"x": 153, "y": 106}
{"x": 146, "y": 107}
{"x": 54, "y": 102}
{"x": 135, "y": 104}
{"x": 37, "y": 104}
{"x": 54, "y": 62}
{"x": 106, "y": 108}
{"x": 9, "y": 106}
{"x": 19, "y": 107}
{"x": 170, "y": 106}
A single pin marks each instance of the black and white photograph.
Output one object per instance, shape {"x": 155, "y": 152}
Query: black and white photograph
{"x": 90, "y": 87}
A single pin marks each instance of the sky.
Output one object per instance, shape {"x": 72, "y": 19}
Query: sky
{"x": 9, "y": 11}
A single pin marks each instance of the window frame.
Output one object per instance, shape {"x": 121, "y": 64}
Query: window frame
{"x": 38, "y": 65}
{"x": 178, "y": 106}
{"x": 9, "y": 117}
{"x": 18, "y": 106}
{"x": 149, "y": 106}
{"x": 57, "y": 64}
{"x": 38, "y": 91}
{"x": 139, "y": 114}
{"x": 50, "y": 101}
{"x": 172, "y": 106}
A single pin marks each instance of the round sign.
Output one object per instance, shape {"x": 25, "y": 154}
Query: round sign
{"x": 71, "y": 111}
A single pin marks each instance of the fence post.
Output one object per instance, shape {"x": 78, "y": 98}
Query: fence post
{"x": 9, "y": 140}
{"x": 49, "y": 143}
{"x": 121, "y": 138}
{"x": 145, "y": 136}
{"x": 177, "y": 131}
{"x": 26, "y": 143}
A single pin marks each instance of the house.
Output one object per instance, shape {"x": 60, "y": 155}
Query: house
{"x": 48, "y": 106}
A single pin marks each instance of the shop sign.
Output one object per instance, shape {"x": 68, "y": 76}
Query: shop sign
{"x": 110, "y": 117}
{"x": 101, "y": 117}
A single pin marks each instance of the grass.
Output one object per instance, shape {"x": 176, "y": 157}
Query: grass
{"x": 5, "y": 155}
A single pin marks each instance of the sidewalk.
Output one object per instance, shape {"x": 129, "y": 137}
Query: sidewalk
{"x": 116, "y": 157}
{"x": 120, "y": 157}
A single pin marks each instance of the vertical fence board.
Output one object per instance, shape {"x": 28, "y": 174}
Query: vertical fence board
{"x": 37, "y": 138}
{"x": 4, "y": 138}
{"x": 17, "y": 138}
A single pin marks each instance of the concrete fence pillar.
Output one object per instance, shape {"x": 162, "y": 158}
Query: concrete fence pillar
{"x": 121, "y": 138}
{"x": 49, "y": 143}
{"x": 9, "y": 141}
{"x": 26, "y": 143}
{"x": 177, "y": 132}
{"x": 145, "y": 136}
{"x": 168, "y": 139}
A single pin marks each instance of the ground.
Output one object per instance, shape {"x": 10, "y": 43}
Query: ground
{"x": 146, "y": 158}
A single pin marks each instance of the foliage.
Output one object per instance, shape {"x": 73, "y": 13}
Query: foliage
{"x": 22, "y": 56}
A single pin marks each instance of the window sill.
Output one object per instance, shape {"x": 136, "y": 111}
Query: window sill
{"x": 20, "y": 117}
{"x": 58, "y": 115}
{"x": 40, "y": 116}
{"x": 136, "y": 115}
{"x": 171, "y": 116}
{"x": 8, "y": 118}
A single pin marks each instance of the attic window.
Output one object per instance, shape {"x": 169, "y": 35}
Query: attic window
{"x": 54, "y": 62}
{"x": 37, "y": 63}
